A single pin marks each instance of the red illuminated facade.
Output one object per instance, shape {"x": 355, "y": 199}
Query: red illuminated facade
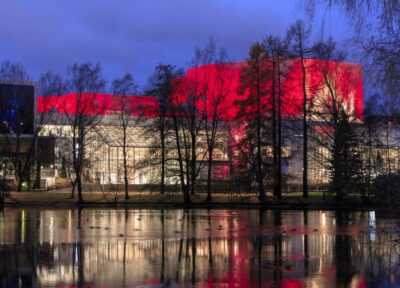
{"x": 224, "y": 79}
{"x": 100, "y": 103}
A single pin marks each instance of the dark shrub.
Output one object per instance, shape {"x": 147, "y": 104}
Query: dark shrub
{"x": 386, "y": 189}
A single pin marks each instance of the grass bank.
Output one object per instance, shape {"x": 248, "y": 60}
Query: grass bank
{"x": 293, "y": 200}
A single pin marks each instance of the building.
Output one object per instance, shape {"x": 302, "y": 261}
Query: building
{"x": 20, "y": 147}
{"x": 200, "y": 86}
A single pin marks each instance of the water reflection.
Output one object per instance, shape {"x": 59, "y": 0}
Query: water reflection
{"x": 200, "y": 248}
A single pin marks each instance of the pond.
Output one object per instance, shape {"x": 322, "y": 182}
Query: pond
{"x": 197, "y": 248}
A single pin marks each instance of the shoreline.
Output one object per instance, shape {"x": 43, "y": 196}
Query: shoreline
{"x": 56, "y": 199}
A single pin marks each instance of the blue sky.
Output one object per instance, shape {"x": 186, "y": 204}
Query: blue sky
{"x": 133, "y": 36}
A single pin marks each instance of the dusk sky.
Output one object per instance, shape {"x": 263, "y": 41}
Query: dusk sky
{"x": 134, "y": 36}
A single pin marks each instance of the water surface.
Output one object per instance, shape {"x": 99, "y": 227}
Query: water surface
{"x": 197, "y": 248}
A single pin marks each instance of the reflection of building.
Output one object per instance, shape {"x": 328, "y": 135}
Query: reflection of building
{"x": 104, "y": 144}
{"x": 221, "y": 248}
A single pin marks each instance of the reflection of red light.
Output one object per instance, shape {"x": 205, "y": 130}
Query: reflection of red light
{"x": 292, "y": 283}
{"x": 152, "y": 281}
{"x": 294, "y": 257}
{"x": 81, "y": 286}
{"x": 362, "y": 283}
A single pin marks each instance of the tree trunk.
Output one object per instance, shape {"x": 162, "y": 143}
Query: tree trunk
{"x": 79, "y": 186}
{"x": 261, "y": 189}
{"x": 274, "y": 133}
{"x": 186, "y": 196}
{"x": 279, "y": 172}
{"x": 18, "y": 182}
{"x": 209, "y": 162}
{"x": 162, "y": 180}
{"x": 73, "y": 189}
{"x": 369, "y": 159}
{"x": 193, "y": 165}
{"x": 126, "y": 187}
{"x": 126, "y": 183}
{"x": 262, "y": 197}
{"x": 37, "y": 178}
{"x": 185, "y": 191}
{"x": 305, "y": 131}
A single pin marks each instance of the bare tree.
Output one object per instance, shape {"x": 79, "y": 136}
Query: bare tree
{"x": 378, "y": 35}
{"x": 171, "y": 90}
{"x": 372, "y": 126}
{"x": 278, "y": 55}
{"x": 385, "y": 12}
{"x": 122, "y": 89}
{"x": 333, "y": 109}
{"x": 178, "y": 87}
{"x": 190, "y": 117}
{"x": 213, "y": 84}
{"x": 13, "y": 73}
{"x": 19, "y": 134}
{"x": 190, "y": 120}
{"x": 83, "y": 114}
{"x": 381, "y": 119}
{"x": 253, "y": 115}
{"x": 215, "y": 124}
{"x": 160, "y": 87}
{"x": 298, "y": 35}
{"x": 50, "y": 85}
{"x": 271, "y": 46}
{"x": 22, "y": 139}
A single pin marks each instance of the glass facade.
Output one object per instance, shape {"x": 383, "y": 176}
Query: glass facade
{"x": 105, "y": 159}
{"x": 17, "y": 108}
